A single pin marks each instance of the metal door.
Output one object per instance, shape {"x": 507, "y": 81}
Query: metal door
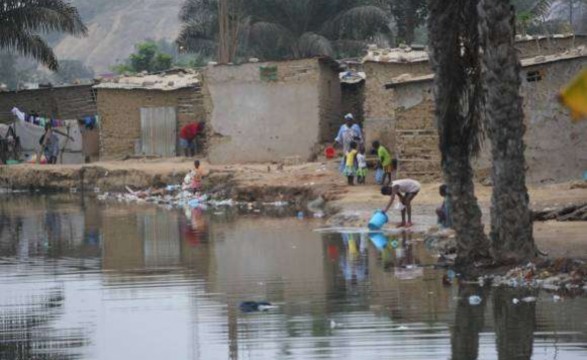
{"x": 158, "y": 131}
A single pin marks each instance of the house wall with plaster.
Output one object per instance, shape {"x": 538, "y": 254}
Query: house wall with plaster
{"x": 260, "y": 119}
{"x": 556, "y": 147}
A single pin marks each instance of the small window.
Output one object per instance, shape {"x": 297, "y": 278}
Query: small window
{"x": 534, "y": 76}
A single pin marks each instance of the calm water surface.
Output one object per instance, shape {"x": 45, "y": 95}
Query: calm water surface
{"x": 85, "y": 280}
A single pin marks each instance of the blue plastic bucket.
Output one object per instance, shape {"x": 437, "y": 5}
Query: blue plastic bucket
{"x": 379, "y": 240}
{"x": 378, "y": 220}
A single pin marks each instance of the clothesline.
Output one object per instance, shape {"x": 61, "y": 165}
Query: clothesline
{"x": 89, "y": 121}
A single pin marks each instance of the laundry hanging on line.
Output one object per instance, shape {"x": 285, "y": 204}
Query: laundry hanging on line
{"x": 88, "y": 121}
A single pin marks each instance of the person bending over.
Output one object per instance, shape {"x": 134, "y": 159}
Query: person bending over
{"x": 406, "y": 190}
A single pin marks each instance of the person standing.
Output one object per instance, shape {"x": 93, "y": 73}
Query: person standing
{"x": 187, "y": 138}
{"x": 385, "y": 162}
{"x": 351, "y": 164}
{"x": 349, "y": 132}
{"x": 50, "y": 144}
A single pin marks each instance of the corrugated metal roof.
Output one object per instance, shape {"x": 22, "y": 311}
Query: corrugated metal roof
{"x": 166, "y": 81}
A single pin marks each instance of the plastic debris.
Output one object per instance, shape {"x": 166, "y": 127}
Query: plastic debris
{"x": 515, "y": 301}
{"x": 474, "y": 300}
{"x": 529, "y": 299}
{"x": 255, "y": 306}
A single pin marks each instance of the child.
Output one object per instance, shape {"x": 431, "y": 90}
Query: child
{"x": 386, "y": 162}
{"x": 442, "y": 210}
{"x": 362, "y": 165}
{"x": 193, "y": 180}
{"x": 350, "y": 159}
{"x": 406, "y": 190}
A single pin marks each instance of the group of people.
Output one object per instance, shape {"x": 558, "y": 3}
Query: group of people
{"x": 354, "y": 164}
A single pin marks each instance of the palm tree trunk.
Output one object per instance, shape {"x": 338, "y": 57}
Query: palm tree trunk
{"x": 454, "y": 57}
{"x": 472, "y": 244}
{"x": 511, "y": 222}
{"x": 224, "y": 32}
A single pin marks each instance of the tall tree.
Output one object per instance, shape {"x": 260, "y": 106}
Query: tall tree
{"x": 454, "y": 55}
{"x": 281, "y": 29}
{"x": 22, "y": 22}
{"x": 511, "y": 221}
{"x": 148, "y": 57}
{"x": 409, "y": 15}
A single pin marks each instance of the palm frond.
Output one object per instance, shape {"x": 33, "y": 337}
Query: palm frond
{"x": 541, "y": 8}
{"x": 21, "y": 21}
{"x": 197, "y": 38}
{"x": 311, "y": 44}
{"x": 41, "y": 16}
{"x": 199, "y": 11}
{"x": 28, "y": 44}
{"x": 357, "y": 23}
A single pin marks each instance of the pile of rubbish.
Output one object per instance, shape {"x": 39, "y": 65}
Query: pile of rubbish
{"x": 175, "y": 196}
{"x": 561, "y": 275}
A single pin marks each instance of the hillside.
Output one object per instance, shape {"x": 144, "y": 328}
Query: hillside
{"x": 116, "y": 26}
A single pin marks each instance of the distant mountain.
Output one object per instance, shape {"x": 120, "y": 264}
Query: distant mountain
{"x": 115, "y": 26}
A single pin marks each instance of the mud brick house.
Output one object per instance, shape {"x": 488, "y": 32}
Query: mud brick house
{"x": 59, "y": 102}
{"x": 556, "y": 147}
{"x": 68, "y": 102}
{"x": 382, "y": 65}
{"x": 142, "y": 114}
{"x": 272, "y": 111}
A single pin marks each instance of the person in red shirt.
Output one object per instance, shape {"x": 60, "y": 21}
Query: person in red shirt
{"x": 187, "y": 138}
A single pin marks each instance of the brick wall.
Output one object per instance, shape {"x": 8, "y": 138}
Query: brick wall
{"x": 120, "y": 114}
{"x": 378, "y": 106}
{"x": 556, "y": 148}
{"x": 66, "y": 103}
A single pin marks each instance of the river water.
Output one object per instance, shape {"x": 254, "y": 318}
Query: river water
{"x": 81, "y": 279}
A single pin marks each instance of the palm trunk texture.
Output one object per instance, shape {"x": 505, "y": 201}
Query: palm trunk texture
{"x": 454, "y": 59}
{"x": 511, "y": 221}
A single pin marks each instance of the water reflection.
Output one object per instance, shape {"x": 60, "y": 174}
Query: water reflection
{"x": 86, "y": 280}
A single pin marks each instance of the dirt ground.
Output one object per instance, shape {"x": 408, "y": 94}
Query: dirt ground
{"x": 354, "y": 204}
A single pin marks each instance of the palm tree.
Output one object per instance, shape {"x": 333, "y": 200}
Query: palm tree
{"x": 454, "y": 55}
{"x": 281, "y": 29}
{"x": 528, "y": 11}
{"x": 23, "y": 21}
{"x": 511, "y": 220}
{"x": 409, "y": 14}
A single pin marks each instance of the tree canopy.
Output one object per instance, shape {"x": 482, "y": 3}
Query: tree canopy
{"x": 148, "y": 57}
{"x": 23, "y": 22}
{"x": 281, "y": 29}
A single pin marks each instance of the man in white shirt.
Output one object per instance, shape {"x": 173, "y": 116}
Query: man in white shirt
{"x": 406, "y": 190}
